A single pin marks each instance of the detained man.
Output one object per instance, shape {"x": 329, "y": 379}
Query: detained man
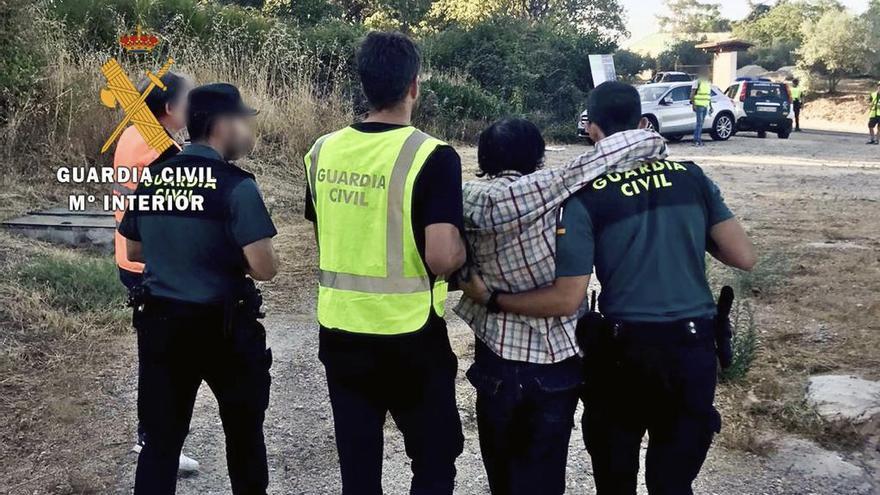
{"x": 651, "y": 362}
{"x": 527, "y": 369}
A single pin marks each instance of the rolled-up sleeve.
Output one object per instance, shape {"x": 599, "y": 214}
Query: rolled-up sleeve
{"x": 249, "y": 218}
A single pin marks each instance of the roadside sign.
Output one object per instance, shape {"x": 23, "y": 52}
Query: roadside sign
{"x": 602, "y": 68}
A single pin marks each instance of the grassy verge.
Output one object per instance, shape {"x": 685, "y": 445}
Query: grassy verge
{"x": 61, "y": 313}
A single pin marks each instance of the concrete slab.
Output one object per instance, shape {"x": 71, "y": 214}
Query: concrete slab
{"x": 92, "y": 229}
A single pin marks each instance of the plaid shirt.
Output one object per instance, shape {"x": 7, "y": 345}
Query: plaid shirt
{"x": 510, "y": 222}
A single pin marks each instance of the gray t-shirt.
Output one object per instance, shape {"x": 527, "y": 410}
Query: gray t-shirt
{"x": 646, "y": 232}
{"x": 198, "y": 258}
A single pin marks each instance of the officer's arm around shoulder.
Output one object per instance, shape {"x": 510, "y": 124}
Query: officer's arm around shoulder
{"x": 732, "y": 246}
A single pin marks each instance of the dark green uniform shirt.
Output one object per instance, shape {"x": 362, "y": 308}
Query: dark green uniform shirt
{"x": 646, "y": 232}
{"x": 197, "y": 257}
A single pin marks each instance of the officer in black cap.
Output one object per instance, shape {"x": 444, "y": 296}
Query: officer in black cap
{"x": 196, "y": 313}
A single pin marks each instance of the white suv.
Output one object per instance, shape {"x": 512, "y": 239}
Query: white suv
{"x": 667, "y": 107}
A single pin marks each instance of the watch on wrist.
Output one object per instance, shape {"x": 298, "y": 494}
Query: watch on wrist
{"x": 492, "y": 303}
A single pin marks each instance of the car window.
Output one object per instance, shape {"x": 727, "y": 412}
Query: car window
{"x": 681, "y": 93}
{"x": 731, "y": 91}
{"x": 652, "y": 93}
{"x": 758, "y": 90}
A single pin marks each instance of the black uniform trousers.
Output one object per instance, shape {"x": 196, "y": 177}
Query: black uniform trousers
{"x": 797, "y": 114}
{"x": 525, "y": 415}
{"x": 179, "y": 345}
{"x": 654, "y": 378}
{"x": 131, "y": 280}
{"x": 410, "y": 376}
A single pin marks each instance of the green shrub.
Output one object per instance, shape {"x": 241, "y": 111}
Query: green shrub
{"x": 76, "y": 284}
{"x": 456, "y": 108}
{"x": 20, "y": 61}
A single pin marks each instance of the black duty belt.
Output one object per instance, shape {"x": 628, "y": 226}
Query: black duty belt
{"x": 659, "y": 333}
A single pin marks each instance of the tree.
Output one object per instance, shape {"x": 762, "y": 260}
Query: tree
{"x": 690, "y": 17}
{"x": 835, "y": 46}
{"x": 630, "y": 64}
{"x": 588, "y": 16}
{"x": 872, "y": 20}
{"x": 775, "y": 31}
{"x": 682, "y": 54}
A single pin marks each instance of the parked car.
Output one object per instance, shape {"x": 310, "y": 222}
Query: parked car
{"x": 671, "y": 76}
{"x": 761, "y": 106}
{"x": 667, "y": 107}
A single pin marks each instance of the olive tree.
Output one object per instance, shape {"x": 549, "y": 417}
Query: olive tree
{"x": 835, "y": 46}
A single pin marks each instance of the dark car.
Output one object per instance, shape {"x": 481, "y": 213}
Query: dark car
{"x": 761, "y": 106}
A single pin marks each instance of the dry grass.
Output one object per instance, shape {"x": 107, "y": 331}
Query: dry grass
{"x": 63, "y": 122}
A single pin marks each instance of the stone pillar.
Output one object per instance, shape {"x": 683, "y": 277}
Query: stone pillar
{"x": 724, "y": 69}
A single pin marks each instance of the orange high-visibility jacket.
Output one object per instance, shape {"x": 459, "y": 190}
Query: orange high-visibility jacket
{"x": 131, "y": 152}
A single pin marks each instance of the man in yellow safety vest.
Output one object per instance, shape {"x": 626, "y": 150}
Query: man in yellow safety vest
{"x": 874, "y": 116}
{"x": 797, "y": 102}
{"x": 386, "y": 202}
{"x": 701, "y": 101}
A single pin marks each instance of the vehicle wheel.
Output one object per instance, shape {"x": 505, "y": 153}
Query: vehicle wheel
{"x": 722, "y": 128}
{"x": 762, "y": 134}
{"x": 673, "y": 138}
{"x": 652, "y": 124}
{"x": 783, "y": 134}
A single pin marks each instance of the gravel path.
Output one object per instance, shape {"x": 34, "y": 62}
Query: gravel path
{"x": 299, "y": 428}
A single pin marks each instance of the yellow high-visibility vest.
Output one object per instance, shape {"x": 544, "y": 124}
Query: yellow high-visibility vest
{"x": 372, "y": 278}
{"x": 796, "y": 93}
{"x": 875, "y": 104}
{"x": 703, "y": 96}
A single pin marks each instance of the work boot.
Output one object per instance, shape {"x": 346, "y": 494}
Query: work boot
{"x": 185, "y": 464}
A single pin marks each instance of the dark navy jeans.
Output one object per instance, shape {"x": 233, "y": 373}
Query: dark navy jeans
{"x": 525, "y": 414}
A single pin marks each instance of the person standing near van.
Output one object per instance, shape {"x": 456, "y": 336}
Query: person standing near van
{"x": 701, "y": 101}
{"x": 874, "y": 114}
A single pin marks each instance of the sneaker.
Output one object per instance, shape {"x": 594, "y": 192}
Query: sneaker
{"x": 871, "y": 142}
{"x": 185, "y": 464}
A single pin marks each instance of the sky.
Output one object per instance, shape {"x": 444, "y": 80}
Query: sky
{"x": 642, "y": 21}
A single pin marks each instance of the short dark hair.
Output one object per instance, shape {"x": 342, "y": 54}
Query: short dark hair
{"x": 510, "y": 144}
{"x": 387, "y": 63}
{"x": 199, "y": 124}
{"x": 614, "y": 106}
{"x": 157, "y": 100}
{"x": 796, "y": 81}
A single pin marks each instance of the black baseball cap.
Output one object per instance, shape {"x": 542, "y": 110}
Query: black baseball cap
{"x": 218, "y": 99}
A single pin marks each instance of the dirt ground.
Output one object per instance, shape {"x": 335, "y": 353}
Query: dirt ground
{"x": 812, "y": 204}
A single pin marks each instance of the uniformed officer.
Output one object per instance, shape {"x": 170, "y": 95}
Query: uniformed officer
{"x": 387, "y": 205}
{"x": 797, "y": 101}
{"x": 874, "y": 114}
{"x": 651, "y": 363}
{"x": 133, "y": 152}
{"x": 197, "y": 313}
{"x": 701, "y": 101}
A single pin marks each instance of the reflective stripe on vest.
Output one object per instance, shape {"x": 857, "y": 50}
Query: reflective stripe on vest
{"x": 875, "y": 104}
{"x": 372, "y": 278}
{"x": 703, "y": 94}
